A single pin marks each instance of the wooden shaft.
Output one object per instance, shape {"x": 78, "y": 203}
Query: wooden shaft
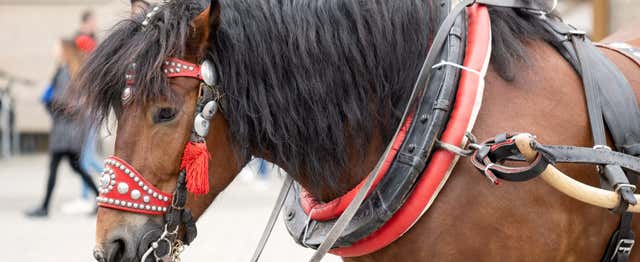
{"x": 569, "y": 186}
{"x": 600, "y": 19}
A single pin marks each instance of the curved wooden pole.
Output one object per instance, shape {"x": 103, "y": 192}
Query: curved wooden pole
{"x": 569, "y": 186}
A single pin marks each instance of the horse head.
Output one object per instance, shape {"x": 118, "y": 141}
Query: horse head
{"x": 130, "y": 75}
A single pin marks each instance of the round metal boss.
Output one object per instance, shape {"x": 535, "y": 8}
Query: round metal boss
{"x": 208, "y": 73}
{"x": 126, "y": 95}
{"x": 123, "y": 188}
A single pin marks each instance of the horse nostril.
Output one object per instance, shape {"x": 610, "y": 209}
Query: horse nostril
{"x": 117, "y": 250}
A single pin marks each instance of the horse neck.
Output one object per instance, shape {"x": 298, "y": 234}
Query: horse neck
{"x": 360, "y": 162}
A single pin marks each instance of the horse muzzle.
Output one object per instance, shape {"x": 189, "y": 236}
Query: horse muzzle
{"x": 125, "y": 245}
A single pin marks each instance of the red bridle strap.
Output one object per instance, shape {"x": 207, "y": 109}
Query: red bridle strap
{"x": 174, "y": 67}
{"x": 123, "y": 188}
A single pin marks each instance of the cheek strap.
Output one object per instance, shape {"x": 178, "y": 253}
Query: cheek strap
{"x": 195, "y": 158}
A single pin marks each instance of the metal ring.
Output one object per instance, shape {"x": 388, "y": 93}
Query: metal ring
{"x": 169, "y": 244}
{"x": 619, "y": 186}
{"x": 602, "y": 147}
{"x": 455, "y": 149}
{"x": 166, "y": 229}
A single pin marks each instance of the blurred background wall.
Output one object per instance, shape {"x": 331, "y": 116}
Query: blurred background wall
{"x": 29, "y": 29}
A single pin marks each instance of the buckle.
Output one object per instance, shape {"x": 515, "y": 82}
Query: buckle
{"x": 631, "y": 187}
{"x": 624, "y": 247}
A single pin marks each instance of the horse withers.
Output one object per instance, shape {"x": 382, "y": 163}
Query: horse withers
{"x": 318, "y": 88}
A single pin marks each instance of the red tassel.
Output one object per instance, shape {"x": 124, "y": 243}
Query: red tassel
{"x": 195, "y": 160}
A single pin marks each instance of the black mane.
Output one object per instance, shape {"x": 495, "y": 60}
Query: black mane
{"x": 303, "y": 80}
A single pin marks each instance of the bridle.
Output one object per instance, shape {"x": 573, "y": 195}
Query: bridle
{"x": 123, "y": 188}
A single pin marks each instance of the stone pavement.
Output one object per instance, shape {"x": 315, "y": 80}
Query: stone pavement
{"x": 228, "y": 231}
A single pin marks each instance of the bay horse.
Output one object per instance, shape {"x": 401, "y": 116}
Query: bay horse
{"x": 317, "y": 87}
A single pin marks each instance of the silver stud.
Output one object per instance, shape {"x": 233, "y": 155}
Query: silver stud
{"x": 153, "y": 208}
{"x": 191, "y": 68}
{"x": 113, "y": 182}
{"x": 140, "y": 183}
{"x": 164, "y": 209}
{"x": 166, "y": 71}
{"x": 146, "y": 199}
{"x": 184, "y": 66}
{"x": 135, "y": 205}
{"x": 155, "y": 194}
{"x": 123, "y": 203}
{"x": 171, "y": 70}
{"x": 136, "y": 179}
{"x": 128, "y": 172}
{"x": 110, "y": 188}
{"x": 117, "y": 202}
{"x": 129, "y": 204}
{"x": 135, "y": 194}
{"x": 147, "y": 207}
{"x": 173, "y": 64}
{"x": 166, "y": 198}
{"x": 110, "y": 201}
{"x": 145, "y": 188}
{"x": 166, "y": 62}
{"x": 178, "y": 69}
{"x": 150, "y": 192}
{"x": 123, "y": 188}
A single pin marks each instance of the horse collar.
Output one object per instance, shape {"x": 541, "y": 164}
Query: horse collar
{"x": 414, "y": 171}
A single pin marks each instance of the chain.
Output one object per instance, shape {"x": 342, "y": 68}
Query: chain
{"x": 177, "y": 249}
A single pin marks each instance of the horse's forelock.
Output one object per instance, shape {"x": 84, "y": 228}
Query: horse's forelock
{"x": 99, "y": 84}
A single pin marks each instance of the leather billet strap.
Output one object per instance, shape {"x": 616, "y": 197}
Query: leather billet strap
{"x": 493, "y": 153}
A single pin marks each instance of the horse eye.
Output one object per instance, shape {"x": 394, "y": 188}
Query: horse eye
{"x": 164, "y": 114}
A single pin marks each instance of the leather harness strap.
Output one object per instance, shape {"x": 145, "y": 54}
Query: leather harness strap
{"x": 492, "y": 154}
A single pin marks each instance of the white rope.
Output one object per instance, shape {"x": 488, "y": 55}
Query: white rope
{"x": 447, "y": 63}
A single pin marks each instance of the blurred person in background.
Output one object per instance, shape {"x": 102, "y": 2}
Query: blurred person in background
{"x": 67, "y": 134}
{"x": 85, "y": 42}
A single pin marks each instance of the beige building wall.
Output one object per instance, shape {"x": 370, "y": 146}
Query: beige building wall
{"x": 29, "y": 30}
{"x": 623, "y": 12}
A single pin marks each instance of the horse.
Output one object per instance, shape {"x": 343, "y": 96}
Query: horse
{"x": 318, "y": 88}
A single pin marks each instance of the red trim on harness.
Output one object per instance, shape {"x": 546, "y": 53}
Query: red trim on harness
{"x": 123, "y": 188}
{"x": 479, "y": 40}
{"x": 330, "y": 210}
{"x": 174, "y": 67}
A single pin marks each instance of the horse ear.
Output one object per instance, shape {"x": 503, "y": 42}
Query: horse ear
{"x": 202, "y": 25}
{"x": 138, "y": 6}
